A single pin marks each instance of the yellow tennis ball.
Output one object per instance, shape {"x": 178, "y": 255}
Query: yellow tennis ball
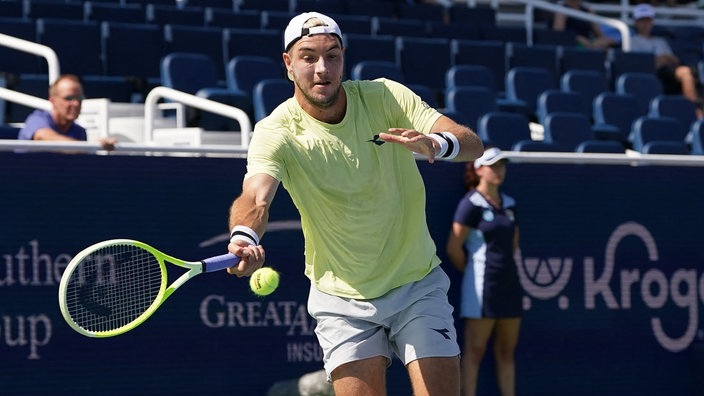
{"x": 264, "y": 281}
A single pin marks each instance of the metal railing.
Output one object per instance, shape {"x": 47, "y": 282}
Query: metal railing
{"x": 31, "y": 47}
{"x": 150, "y": 109}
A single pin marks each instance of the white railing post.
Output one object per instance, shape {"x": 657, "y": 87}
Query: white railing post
{"x": 150, "y": 108}
{"x": 37, "y": 49}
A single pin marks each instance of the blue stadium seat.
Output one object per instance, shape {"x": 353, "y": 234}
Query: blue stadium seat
{"x": 428, "y": 12}
{"x": 245, "y": 71}
{"x": 542, "y": 56}
{"x": 557, "y": 101}
{"x": 573, "y": 132}
{"x": 587, "y": 83}
{"x": 54, "y": 9}
{"x": 382, "y": 26}
{"x": 12, "y": 9}
{"x": 270, "y": 5}
{"x": 118, "y": 89}
{"x": 644, "y": 86}
{"x": 542, "y": 36}
{"x": 115, "y": 12}
{"x": 268, "y": 43}
{"x": 133, "y": 50}
{"x": 503, "y": 129}
{"x": 477, "y": 16}
{"x": 9, "y": 132}
{"x": 196, "y": 74}
{"x": 665, "y": 147}
{"x": 506, "y": 34}
{"x": 696, "y": 137}
{"x": 453, "y": 31}
{"x": 76, "y": 43}
{"x": 675, "y": 106}
{"x": 491, "y": 54}
{"x": 536, "y": 146}
{"x": 370, "y": 70}
{"x": 470, "y": 75}
{"x": 525, "y": 84}
{"x": 329, "y": 8}
{"x": 276, "y": 20}
{"x": 621, "y": 62}
{"x": 197, "y": 39}
{"x": 371, "y": 8}
{"x": 614, "y": 115}
{"x": 601, "y": 146}
{"x": 227, "y": 18}
{"x": 221, "y": 4}
{"x": 425, "y": 93}
{"x": 571, "y": 58}
{"x": 268, "y": 94}
{"x": 352, "y": 24}
{"x": 363, "y": 47}
{"x": 171, "y": 14}
{"x": 431, "y": 74}
{"x": 654, "y": 129}
{"x": 14, "y": 61}
{"x": 30, "y": 84}
{"x": 470, "y": 103}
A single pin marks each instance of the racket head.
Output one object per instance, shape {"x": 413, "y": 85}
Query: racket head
{"x": 112, "y": 287}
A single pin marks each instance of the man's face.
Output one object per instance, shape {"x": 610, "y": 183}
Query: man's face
{"x": 66, "y": 100}
{"x": 315, "y": 64}
{"x": 644, "y": 26}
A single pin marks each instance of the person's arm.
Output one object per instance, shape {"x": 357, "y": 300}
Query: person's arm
{"x": 516, "y": 240}
{"x": 50, "y": 134}
{"x": 470, "y": 146}
{"x": 250, "y": 211}
{"x": 455, "y": 246}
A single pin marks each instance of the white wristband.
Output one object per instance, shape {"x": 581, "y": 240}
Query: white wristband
{"x": 441, "y": 141}
{"x": 244, "y": 233}
{"x": 449, "y": 145}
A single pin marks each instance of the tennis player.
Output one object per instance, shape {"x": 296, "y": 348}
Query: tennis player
{"x": 344, "y": 151}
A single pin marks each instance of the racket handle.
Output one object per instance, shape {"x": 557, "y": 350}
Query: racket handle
{"x": 220, "y": 262}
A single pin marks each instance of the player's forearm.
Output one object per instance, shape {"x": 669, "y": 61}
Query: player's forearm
{"x": 251, "y": 208}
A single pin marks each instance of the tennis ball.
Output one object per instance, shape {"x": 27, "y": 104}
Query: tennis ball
{"x": 264, "y": 281}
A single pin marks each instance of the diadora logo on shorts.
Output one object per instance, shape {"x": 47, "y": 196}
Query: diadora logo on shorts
{"x": 547, "y": 278}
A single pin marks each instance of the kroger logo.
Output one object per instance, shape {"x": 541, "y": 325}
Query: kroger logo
{"x": 546, "y": 278}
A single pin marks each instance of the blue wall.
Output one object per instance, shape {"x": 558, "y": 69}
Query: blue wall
{"x": 612, "y": 263}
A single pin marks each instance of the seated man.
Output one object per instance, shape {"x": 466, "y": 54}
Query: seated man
{"x": 676, "y": 77}
{"x": 588, "y": 34}
{"x": 65, "y": 95}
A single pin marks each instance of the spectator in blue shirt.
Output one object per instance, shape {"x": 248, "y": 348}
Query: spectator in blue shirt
{"x": 59, "y": 124}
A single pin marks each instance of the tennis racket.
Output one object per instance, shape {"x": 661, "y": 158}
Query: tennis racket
{"x": 114, "y": 286}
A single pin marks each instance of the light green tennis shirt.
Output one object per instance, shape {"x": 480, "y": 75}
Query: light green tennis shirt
{"x": 361, "y": 201}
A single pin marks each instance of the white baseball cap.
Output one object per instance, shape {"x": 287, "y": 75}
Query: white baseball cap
{"x": 490, "y": 157}
{"x": 643, "y": 11}
{"x": 295, "y": 30}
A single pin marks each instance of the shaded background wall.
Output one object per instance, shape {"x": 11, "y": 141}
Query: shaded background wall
{"x": 612, "y": 264}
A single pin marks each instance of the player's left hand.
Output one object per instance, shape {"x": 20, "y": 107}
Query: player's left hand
{"x": 412, "y": 140}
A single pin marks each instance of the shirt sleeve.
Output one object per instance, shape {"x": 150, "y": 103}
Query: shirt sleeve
{"x": 467, "y": 213}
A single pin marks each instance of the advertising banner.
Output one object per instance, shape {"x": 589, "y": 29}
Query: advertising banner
{"x": 612, "y": 263}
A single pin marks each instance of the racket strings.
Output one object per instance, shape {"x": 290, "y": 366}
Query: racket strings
{"x": 113, "y": 286}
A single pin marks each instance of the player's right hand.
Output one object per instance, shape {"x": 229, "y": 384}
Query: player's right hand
{"x": 251, "y": 258}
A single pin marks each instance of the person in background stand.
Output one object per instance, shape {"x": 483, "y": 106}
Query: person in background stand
{"x": 59, "y": 124}
{"x": 481, "y": 244}
{"x": 676, "y": 77}
{"x": 589, "y": 34}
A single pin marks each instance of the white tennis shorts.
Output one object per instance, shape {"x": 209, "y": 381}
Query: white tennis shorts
{"x": 413, "y": 321}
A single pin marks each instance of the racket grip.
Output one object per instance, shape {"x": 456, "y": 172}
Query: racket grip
{"x": 220, "y": 262}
